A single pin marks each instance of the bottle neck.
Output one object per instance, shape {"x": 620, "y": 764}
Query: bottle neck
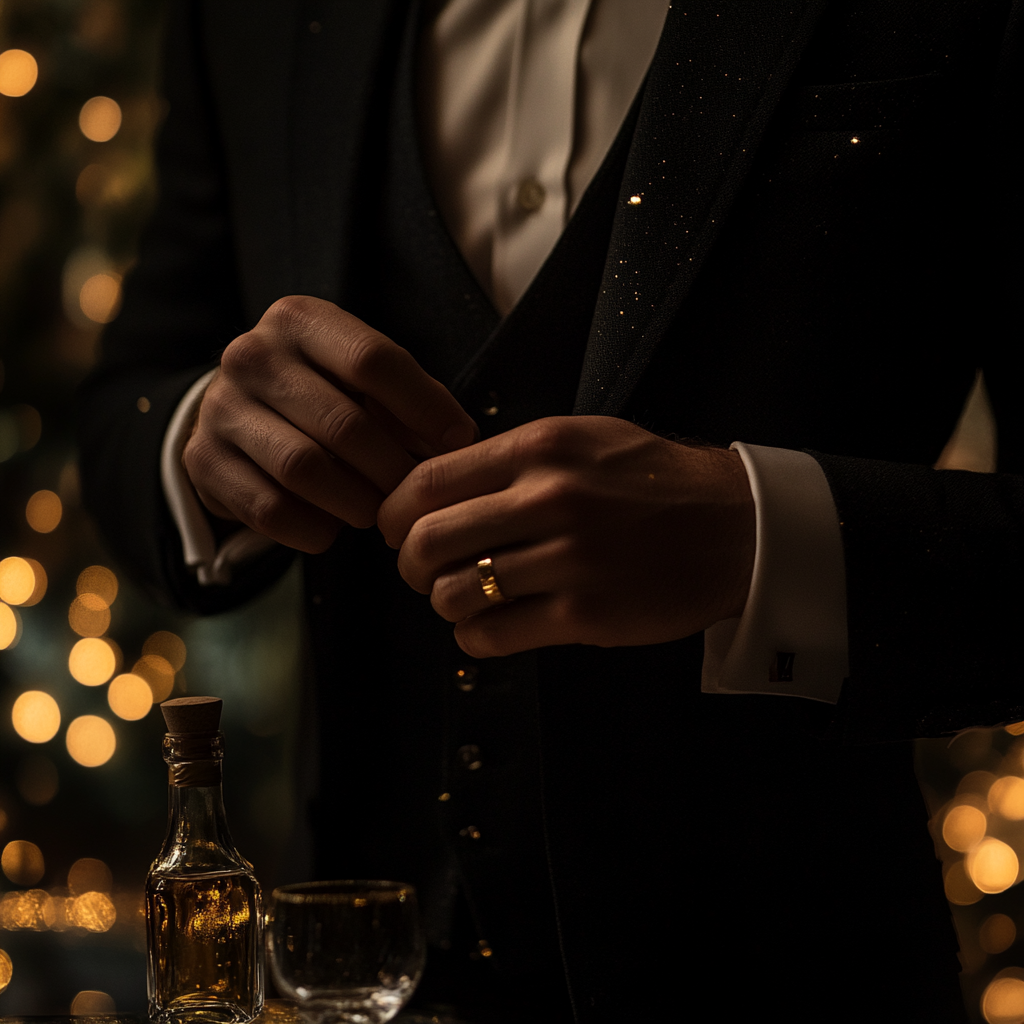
{"x": 198, "y": 839}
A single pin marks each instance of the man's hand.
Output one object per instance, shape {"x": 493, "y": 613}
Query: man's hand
{"x": 600, "y": 533}
{"x": 311, "y": 421}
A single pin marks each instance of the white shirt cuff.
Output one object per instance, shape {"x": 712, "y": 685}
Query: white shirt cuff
{"x": 213, "y": 564}
{"x": 791, "y": 639}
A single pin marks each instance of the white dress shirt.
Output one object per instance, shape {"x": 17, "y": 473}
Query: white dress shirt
{"x": 519, "y": 102}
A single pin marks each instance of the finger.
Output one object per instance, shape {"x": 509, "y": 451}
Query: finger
{"x": 364, "y": 360}
{"x": 295, "y": 462}
{"x": 485, "y": 468}
{"x": 250, "y": 496}
{"x": 522, "y": 625}
{"x": 518, "y": 572}
{"x": 453, "y": 536}
{"x": 315, "y": 406}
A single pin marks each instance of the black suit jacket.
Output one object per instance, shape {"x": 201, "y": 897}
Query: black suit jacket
{"x": 820, "y": 260}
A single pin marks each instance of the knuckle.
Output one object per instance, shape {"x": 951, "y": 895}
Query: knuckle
{"x": 264, "y": 511}
{"x": 367, "y": 356}
{"x": 292, "y": 314}
{"x": 245, "y": 358}
{"x": 295, "y": 462}
{"x": 548, "y": 439}
{"x": 340, "y": 425}
{"x": 424, "y": 544}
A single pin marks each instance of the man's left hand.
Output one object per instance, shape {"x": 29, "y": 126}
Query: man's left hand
{"x": 600, "y": 533}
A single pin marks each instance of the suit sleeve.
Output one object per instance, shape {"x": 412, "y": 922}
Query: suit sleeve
{"x": 181, "y": 307}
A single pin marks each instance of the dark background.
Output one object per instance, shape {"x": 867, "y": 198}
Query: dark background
{"x": 70, "y": 211}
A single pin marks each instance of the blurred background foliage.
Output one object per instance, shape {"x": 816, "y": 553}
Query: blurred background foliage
{"x": 83, "y": 657}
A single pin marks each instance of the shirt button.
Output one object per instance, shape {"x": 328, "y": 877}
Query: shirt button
{"x": 470, "y": 756}
{"x": 530, "y": 195}
{"x": 465, "y": 678}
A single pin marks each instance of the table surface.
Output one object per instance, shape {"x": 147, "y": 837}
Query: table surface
{"x": 276, "y": 1011}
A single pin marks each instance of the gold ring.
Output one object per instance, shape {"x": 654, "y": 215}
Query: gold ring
{"x": 485, "y": 570}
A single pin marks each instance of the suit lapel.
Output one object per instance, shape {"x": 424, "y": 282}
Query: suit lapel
{"x": 716, "y": 77}
{"x": 340, "y": 68}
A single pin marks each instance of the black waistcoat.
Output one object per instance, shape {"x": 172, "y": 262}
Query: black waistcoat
{"x": 430, "y": 760}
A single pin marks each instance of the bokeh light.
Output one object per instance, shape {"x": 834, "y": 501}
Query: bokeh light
{"x": 6, "y": 969}
{"x": 100, "y": 297}
{"x": 158, "y": 672}
{"x": 992, "y": 865}
{"x": 130, "y": 697}
{"x": 43, "y": 511}
{"x": 997, "y": 933}
{"x": 37, "y": 780}
{"x": 960, "y": 890}
{"x": 1006, "y": 797}
{"x": 93, "y": 911}
{"x": 100, "y": 119}
{"x": 18, "y": 72}
{"x": 91, "y": 740}
{"x": 89, "y": 874}
{"x": 35, "y": 716}
{"x": 168, "y": 646}
{"x": 89, "y": 615}
{"x": 22, "y": 862}
{"x": 92, "y": 661}
{"x": 26, "y": 910}
{"x": 964, "y": 827}
{"x": 18, "y": 584}
{"x": 10, "y": 627}
{"x": 98, "y": 580}
{"x": 92, "y": 1003}
{"x": 1003, "y": 1001}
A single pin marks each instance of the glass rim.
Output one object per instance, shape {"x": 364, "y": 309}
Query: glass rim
{"x": 342, "y": 890}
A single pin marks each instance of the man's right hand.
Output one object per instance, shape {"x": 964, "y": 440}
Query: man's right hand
{"x": 313, "y": 419}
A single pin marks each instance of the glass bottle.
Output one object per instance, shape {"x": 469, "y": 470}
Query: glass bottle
{"x": 204, "y": 917}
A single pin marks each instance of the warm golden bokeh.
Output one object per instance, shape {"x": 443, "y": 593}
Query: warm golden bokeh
{"x": 93, "y": 911}
{"x": 992, "y": 865}
{"x": 91, "y": 740}
{"x": 168, "y": 646}
{"x": 10, "y": 627}
{"x": 1003, "y": 1001}
{"x": 89, "y": 874}
{"x": 997, "y": 933}
{"x": 38, "y": 781}
{"x": 55, "y": 914}
{"x": 91, "y": 1003}
{"x": 18, "y": 72}
{"x": 43, "y": 511}
{"x": 17, "y": 580}
{"x": 1006, "y": 797}
{"x": 158, "y": 672}
{"x": 35, "y": 716}
{"x": 100, "y": 119}
{"x": 100, "y": 297}
{"x": 99, "y": 581}
{"x": 960, "y": 890}
{"x": 25, "y": 910}
{"x": 130, "y": 697}
{"x": 89, "y": 615}
{"x": 6, "y": 969}
{"x": 964, "y": 827}
{"x": 22, "y": 862}
{"x": 92, "y": 661}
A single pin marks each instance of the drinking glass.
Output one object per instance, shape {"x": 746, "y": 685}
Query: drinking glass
{"x": 346, "y": 952}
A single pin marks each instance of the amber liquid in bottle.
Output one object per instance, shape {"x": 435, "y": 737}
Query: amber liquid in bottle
{"x": 203, "y": 908}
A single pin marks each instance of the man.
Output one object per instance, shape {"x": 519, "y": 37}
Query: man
{"x": 766, "y": 254}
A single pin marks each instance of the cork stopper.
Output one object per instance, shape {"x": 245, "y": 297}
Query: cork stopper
{"x": 185, "y": 715}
